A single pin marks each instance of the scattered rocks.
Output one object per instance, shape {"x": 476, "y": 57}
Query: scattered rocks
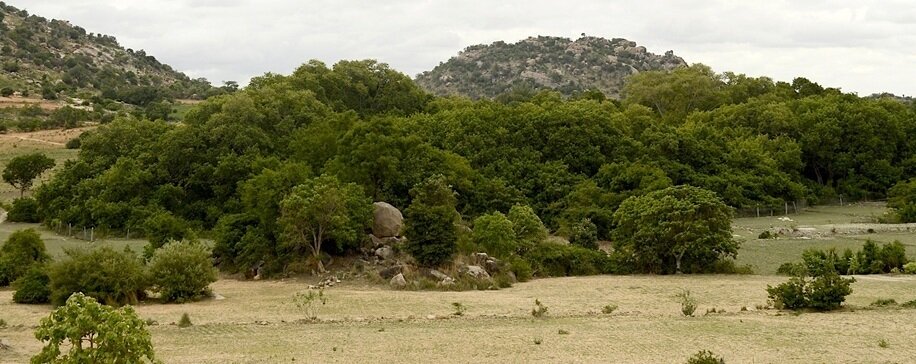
{"x": 438, "y": 275}
{"x": 398, "y": 281}
{"x": 477, "y": 272}
{"x": 387, "y": 220}
{"x": 390, "y": 272}
{"x": 326, "y": 283}
{"x": 384, "y": 253}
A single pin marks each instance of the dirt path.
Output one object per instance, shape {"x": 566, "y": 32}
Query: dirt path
{"x": 40, "y": 141}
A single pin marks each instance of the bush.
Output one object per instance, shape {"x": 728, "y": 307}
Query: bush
{"x": 185, "y": 321}
{"x": 559, "y": 260}
{"x": 824, "y": 292}
{"x": 181, "y": 271}
{"x": 74, "y": 143}
{"x": 705, "y": 357}
{"x": 24, "y": 209}
{"x": 688, "y": 303}
{"x": 791, "y": 269}
{"x": 902, "y": 198}
{"x": 527, "y": 225}
{"x": 909, "y": 268}
{"x": 765, "y": 235}
{"x": 6, "y": 92}
{"x": 113, "y": 277}
{"x": 21, "y": 250}
{"x": 33, "y": 286}
{"x": 494, "y": 233}
{"x": 431, "y": 221}
{"x": 520, "y": 267}
{"x": 164, "y": 226}
{"x": 117, "y": 335}
{"x": 584, "y": 234}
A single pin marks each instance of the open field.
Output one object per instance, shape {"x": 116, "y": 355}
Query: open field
{"x": 49, "y": 142}
{"x": 257, "y": 322}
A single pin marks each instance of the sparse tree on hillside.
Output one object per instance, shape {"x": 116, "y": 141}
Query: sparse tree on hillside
{"x": 22, "y": 170}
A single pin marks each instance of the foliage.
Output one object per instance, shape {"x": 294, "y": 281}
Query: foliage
{"x": 825, "y": 291}
{"x": 677, "y": 229}
{"x": 94, "y": 333}
{"x": 496, "y": 235}
{"x": 21, "y": 250}
{"x": 459, "y": 308}
{"x": 113, "y": 277}
{"x": 909, "y": 268}
{"x": 559, "y": 260}
{"x": 163, "y": 227}
{"x": 21, "y": 171}
{"x": 528, "y": 227}
{"x": 539, "y": 310}
{"x": 324, "y": 209}
{"x": 705, "y": 357}
{"x": 688, "y": 302}
{"x": 24, "y": 209}
{"x": 584, "y": 234}
{"x": 431, "y": 222}
{"x": 902, "y": 198}
{"x": 310, "y": 303}
{"x": 33, "y": 286}
{"x": 871, "y": 259}
{"x": 609, "y": 309}
{"x": 181, "y": 271}
{"x": 185, "y": 321}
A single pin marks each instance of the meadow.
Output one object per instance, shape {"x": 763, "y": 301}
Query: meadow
{"x": 257, "y": 321}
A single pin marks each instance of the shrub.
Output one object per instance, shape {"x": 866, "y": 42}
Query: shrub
{"x": 791, "y": 269}
{"x": 824, "y": 292}
{"x": 893, "y": 256}
{"x": 181, "y": 271}
{"x": 539, "y": 310}
{"x": 902, "y": 198}
{"x": 558, "y": 260}
{"x": 705, "y": 357}
{"x": 884, "y": 302}
{"x": 185, "y": 321}
{"x": 609, "y": 309}
{"x": 163, "y": 226}
{"x": 688, "y": 303}
{"x": 33, "y": 286}
{"x": 6, "y": 92}
{"x": 909, "y": 268}
{"x": 24, "y": 209}
{"x": 459, "y": 308}
{"x": 584, "y": 234}
{"x": 431, "y": 222}
{"x": 74, "y": 143}
{"x": 113, "y": 277}
{"x": 116, "y": 335}
{"x": 494, "y": 233}
{"x": 520, "y": 267}
{"x": 21, "y": 250}
{"x": 310, "y": 303}
{"x": 527, "y": 225}
{"x": 765, "y": 235}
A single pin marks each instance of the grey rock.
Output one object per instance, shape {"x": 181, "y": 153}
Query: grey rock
{"x": 387, "y": 220}
{"x": 385, "y": 252}
{"x": 390, "y": 272}
{"x": 398, "y": 281}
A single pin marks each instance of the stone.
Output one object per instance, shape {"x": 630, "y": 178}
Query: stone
{"x": 398, "y": 281}
{"x": 445, "y": 282}
{"x": 477, "y": 271}
{"x": 387, "y": 220}
{"x": 376, "y": 241}
{"x": 438, "y": 275}
{"x": 390, "y": 272}
{"x": 385, "y": 252}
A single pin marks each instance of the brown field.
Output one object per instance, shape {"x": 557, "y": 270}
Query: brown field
{"x": 28, "y": 101}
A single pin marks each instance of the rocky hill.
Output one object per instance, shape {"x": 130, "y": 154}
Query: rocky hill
{"x": 545, "y": 63}
{"x": 53, "y": 58}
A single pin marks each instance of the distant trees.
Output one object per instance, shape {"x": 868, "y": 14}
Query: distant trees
{"x": 21, "y": 171}
{"x": 678, "y": 229}
{"x": 902, "y": 198}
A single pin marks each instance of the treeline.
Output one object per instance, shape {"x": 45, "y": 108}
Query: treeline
{"x": 752, "y": 141}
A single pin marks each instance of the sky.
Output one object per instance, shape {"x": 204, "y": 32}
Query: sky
{"x": 863, "y": 46}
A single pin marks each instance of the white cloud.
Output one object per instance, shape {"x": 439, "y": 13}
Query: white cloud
{"x": 863, "y": 46}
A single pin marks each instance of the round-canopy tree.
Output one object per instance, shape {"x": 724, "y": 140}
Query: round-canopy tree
{"x": 22, "y": 170}
{"x": 681, "y": 228}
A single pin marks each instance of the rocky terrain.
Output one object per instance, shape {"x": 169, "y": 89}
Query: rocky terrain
{"x": 539, "y": 63}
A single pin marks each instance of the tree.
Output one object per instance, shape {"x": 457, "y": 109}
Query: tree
{"x": 115, "y": 278}
{"x": 527, "y": 225}
{"x": 21, "y": 171}
{"x": 323, "y": 209}
{"x": 902, "y": 198}
{"x": 181, "y": 271}
{"x": 94, "y": 333}
{"x": 495, "y": 234}
{"x": 430, "y": 220}
{"x": 675, "y": 229}
{"x": 22, "y": 250}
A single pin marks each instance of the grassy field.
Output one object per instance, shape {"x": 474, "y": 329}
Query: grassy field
{"x": 49, "y": 142}
{"x": 257, "y": 322}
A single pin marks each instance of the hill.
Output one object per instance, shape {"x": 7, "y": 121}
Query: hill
{"x": 543, "y": 62}
{"x": 55, "y": 59}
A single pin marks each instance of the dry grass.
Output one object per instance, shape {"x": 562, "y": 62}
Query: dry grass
{"x": 49, "y": 142}
{"x": 257, "y": 323}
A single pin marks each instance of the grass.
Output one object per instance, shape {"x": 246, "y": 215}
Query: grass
{"x": 56, "y": 244}
{"x": 49, "y": 142}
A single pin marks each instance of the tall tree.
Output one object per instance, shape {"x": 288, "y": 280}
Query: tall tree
{"x": 22, "y": 170}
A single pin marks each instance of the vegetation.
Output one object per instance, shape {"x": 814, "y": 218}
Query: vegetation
{"x": 824, "y": 290}
{"x": 431, "y": 222}
{"x": 24, "y": 209}
{"x": 902, "y": 198}
{"x": 495, "y": 234}
{"x": 181, "y": 271}
{"x": 22, "y": 170}
{"x": 705, "y": 357}
{"x": 20, "y": 252}
{"x": 871, "y": 259}
{"x": 687, "y": 301}
{"x": 113, "y": 277}
{"x": 94, "y": 333}
{"x": 310, "y": 303}
{"x": 185, "y": 321}
{"x": 33, "y": 286}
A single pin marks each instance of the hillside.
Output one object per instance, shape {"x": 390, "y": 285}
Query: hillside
{"x": 545, "y": 63}
{"x": 54, "y": 59}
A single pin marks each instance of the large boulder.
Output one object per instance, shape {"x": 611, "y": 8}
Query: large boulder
{"x": 387, "y": 220}
{"x": 398, "y": 281}
{"x": 477, "y": 272}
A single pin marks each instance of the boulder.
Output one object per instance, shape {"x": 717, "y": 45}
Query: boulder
{"x": 439, "y": 276}
{"x": 384, "y": 252}
{"x": 398, "y": 281}
{"x": 477, "y": 271}
{"x": 445, "y": 282}
{"x": 390, "y": 272}
{"x": 387, "y": 220}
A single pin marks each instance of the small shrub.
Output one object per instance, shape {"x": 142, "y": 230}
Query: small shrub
{"x": 520, "y": 267}
{"x": 909, "y": 268}
{"x": 459, "y": 309}
{"x": 539, "y": 310}
{"x": 310, "y": 303}
{"x": 33, "y": 286}
{"x": 688, "y": 303}
{"x": 909, "y": 304}
{"x": 766, "y": 234}
{"x": 24, "y": 209}
{"x": 883, "y": 344}
{"x": 609, "y": 309}
{"x": 705, "y": 357}
{"x": 185, "y": 321}
{"x": 21, "y": 250}
{"x": 824, "y": 292}
{"x": 74, "y": 143}
{"x": 182, "y": 271}
{"x": 884, "y": 302}
{"x": 494, "y": 233}
{"x": 2, "y": 324}
{"x": 559, "y": 260}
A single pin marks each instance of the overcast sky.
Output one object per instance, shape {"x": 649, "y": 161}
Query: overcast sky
{"x": 861, "y": 46}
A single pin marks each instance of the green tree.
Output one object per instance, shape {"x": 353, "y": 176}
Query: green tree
{"x": 94, "y": 333}
{"x": 527, "y": 225}
{"x": 21, "y": 171}
{"x": 164, "y": 226}
{"x": 495, "y": 234}
{"x": 431, "y": 220}
{"x": 585, "y": 234}
{"x": 115, "y": 278}
{"x": 902, "y": 198}
{"x": 324, "y": 209}
{"x": 681, "y": 228}
{"x": 181, "y": 271}
{"x": 22, "y": 250}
